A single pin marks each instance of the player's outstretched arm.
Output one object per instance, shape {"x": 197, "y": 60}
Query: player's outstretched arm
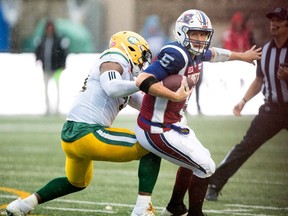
{"x": 249, "y": 56}
{"x": 222, "y": 55}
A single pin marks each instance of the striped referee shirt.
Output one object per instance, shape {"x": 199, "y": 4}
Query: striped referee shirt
{"x": 273, "y": 89}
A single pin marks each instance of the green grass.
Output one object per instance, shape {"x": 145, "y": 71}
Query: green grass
{"x": 31, "y": 155}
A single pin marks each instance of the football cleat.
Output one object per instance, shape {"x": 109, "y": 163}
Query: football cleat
{"x": 180, "y": 210}
{"x": 18, "y": 208}
{"x": 212, "y": 193}
{"x": 149, "y": 211}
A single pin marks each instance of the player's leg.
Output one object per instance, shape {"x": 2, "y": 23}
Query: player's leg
{"x": 120, "y": 145}
{"x": 148, "y": 171}
{"x": 111, "y": 144}
{"x": 176, "y": 204}
{"x": 186, "y": 151}
{"x": 197, "y": 190}
{"x": 182, "y": 150}
{"x": 57, "y": 187}
{"x": 79, "y": 174}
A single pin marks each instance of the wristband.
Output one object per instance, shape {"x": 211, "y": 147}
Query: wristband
{"x": 146, "y": 84}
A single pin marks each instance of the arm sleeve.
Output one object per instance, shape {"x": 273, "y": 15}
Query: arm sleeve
{"x": 221, "y": 55}
{"x": 114, "y": 86}
{"x": 135, "y": 100}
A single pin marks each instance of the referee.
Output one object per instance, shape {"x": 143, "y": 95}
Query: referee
{"x": 272, "y": 79}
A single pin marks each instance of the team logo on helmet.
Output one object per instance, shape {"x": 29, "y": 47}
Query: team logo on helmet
{"x": 187, "y": 18}
{"x": 133, "y": 40}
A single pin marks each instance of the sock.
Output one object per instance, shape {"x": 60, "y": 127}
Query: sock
{"x": 143, "y": 200}
{"x": 148, "y": 171}
{"x": 197, "y": 191}
{"x": 180, "y": 187}
{"x": 56, "y": 188}
{"x": 31, "y": 201}
{"x": 142, "y": 204}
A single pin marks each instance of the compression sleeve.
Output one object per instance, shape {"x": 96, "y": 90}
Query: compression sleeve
{"x": 114, "y": 86}
{"x": 221, "y": 55}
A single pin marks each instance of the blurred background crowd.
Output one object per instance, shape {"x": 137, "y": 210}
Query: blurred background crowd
{"x": 48, "y": 32}
{"x": 89, "y": 23}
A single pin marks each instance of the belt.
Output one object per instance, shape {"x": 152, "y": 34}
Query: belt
{"x": 163, "y": 125}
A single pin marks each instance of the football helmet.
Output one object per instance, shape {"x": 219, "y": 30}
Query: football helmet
{"x": 193, "y": 20}
{"x": 135, "y": 48}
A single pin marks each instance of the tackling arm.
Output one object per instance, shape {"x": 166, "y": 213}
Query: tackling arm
{"x": 112, "y": 82}
{"x": 135, "y": 100}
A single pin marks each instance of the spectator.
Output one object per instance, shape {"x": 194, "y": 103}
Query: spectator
{"x": 51, "y": 51}
{"x": 153, "y": 33}
{"x": 272, "y": 78}
{"x": 238, "y": 37}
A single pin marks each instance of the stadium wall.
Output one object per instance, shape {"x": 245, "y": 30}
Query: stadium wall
{"x": 22, "y": 88}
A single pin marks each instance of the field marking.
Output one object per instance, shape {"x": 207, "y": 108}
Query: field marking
{"x": 94, "y": 203}
{"x": 240, "y": 209}
{"x": 233, "y": 212}
{"x": 257, "y": 207}
{"x": 237, "y": 211}
{"x": 21, "y": 194}
{"x": 81, "y": 210}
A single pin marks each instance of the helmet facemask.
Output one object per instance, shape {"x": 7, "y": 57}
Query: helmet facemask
{"x": 197, "y": 47}
{"x": 138, "y": 64}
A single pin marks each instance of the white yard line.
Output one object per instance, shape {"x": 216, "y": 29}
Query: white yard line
{"x": 232, "y": 209}
{"x": 257, "y": 207}
{"x": 80, "y": 210}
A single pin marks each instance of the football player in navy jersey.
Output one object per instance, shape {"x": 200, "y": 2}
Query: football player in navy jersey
{"x": 159, "y": 127}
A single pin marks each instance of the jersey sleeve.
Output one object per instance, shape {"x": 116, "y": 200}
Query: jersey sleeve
{"x": 114, "y": 55}
{"x": 169, "y": 61}
{"x": 207, "y": 56}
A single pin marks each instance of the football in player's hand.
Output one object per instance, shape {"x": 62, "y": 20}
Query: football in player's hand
{"x": 173, "y": 82}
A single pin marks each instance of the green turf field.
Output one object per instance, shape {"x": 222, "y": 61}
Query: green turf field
{"x": 30, "y": 156}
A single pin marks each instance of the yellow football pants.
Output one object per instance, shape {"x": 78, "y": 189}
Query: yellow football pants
{"x": 109, "y": 144}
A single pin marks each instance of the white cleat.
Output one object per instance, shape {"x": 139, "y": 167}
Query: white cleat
{"x": 149, "y": 211}
{"x": 18, "y": 208}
